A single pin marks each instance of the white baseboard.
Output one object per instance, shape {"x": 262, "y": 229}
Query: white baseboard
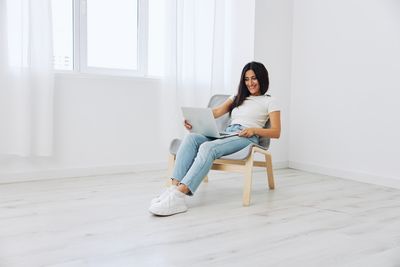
{"x": 275, "y": 165}
{"x": 55, "y": 173}
{"x": 345, "y": 174}
{"x": 280, "y": 164}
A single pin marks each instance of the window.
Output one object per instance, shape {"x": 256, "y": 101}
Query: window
{"x": 102, "y": 36}
{"x": 112, "y": 34}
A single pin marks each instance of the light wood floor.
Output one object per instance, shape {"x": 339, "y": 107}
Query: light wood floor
{"x": 308, "y": 220}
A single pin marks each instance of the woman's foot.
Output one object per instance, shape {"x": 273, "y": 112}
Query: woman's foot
{"x": 171, "y": 204}
{"x": 163, "y": 194}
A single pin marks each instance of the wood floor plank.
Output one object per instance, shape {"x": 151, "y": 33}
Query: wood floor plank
{"x": 308, "y": 220}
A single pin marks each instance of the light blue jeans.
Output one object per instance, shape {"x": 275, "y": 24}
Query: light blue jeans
{"x": 197, "y": 152}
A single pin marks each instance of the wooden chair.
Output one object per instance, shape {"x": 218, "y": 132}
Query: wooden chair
{"x": 242, "y": 161}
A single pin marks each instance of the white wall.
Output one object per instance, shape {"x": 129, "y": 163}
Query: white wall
{"x": 103, "y": 124}
{"x": 346, "y": 89}
{"x": 273, "y": 47}
{"x": 106, "y": 121}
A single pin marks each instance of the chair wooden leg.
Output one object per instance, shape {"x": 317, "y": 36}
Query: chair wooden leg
{"x": 171, "y": 164}
{"x": 270, "y": 172}
{"x": 248, "y": 180}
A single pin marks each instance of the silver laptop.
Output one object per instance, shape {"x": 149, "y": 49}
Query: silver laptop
{"x": 203, "y": 122}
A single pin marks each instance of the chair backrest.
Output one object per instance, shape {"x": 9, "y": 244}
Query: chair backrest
{"x": 224, "y": 121}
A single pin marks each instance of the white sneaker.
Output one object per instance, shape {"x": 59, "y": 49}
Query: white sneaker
{"x": 163, "y": 195}
{"x": 172, "y": 204}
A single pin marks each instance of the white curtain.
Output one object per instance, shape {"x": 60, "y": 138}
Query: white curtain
{"x": 208, "y": 42}
{"x": 26, "y": 78}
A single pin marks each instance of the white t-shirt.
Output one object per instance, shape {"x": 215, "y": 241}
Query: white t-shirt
{"x": 254, "y": 111}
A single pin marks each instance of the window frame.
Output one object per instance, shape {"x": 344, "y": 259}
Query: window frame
{"x": 80, "y": 42}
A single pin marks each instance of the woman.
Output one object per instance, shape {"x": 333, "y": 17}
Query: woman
{"x": 250, "y": 109}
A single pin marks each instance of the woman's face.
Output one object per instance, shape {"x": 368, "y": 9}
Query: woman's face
{"x": 251, "y": 82}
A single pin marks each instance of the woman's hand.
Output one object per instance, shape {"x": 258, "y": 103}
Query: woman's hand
{"x": 187, "y": 125}
{"x": 248, "y": 132}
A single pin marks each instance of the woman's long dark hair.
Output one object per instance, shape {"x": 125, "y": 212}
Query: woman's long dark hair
{"x": 263, "y": 80}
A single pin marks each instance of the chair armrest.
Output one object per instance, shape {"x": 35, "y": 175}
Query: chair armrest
{"x": 174, "y": 146}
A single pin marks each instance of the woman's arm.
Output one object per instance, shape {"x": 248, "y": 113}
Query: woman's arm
{"x": 273, "y": 132}
{"x": 222, "y": 109}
